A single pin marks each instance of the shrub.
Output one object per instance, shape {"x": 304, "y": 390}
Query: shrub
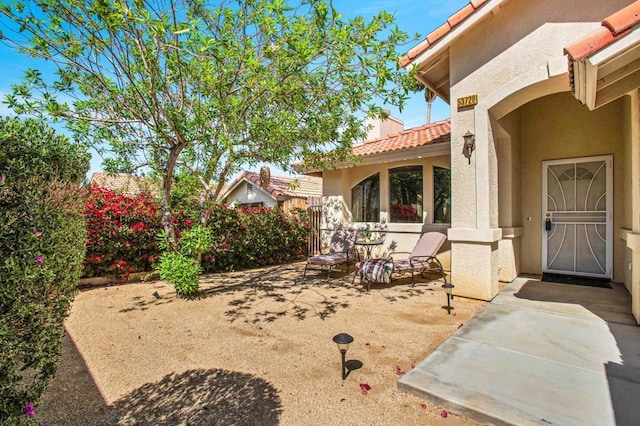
{"x": 182, "y": 268}
{"x": 41, "y": 250}
{"x": 258, "y": 236}
{"x": 121, "y": 233}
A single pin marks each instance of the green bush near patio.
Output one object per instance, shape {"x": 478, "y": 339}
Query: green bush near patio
{"x": 42, "y": 237}
{"x": 252, "y": 237}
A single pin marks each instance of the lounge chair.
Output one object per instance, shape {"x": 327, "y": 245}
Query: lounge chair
{"x": 341, "y": 251}
{"x": 423, "y": 257}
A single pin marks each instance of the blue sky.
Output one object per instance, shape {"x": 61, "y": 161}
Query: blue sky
{"x": 412, "y": 16}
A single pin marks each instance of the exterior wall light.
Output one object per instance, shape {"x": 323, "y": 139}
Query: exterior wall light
{"x": 469, "y": 144}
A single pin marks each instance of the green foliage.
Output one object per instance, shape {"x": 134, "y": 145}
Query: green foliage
{"x": 205, "y": 89}
{"x": 41, "y": 250}
{"x": 182, "y": 268}
{"x": 247, "y": 238}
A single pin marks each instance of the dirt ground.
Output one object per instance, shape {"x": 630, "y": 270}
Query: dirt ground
{"x": 254, "y": 349}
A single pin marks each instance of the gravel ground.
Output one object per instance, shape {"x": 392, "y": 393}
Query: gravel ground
{"x": 254, "y": 349}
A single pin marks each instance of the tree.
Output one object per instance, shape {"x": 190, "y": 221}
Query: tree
{"x": 181, "y": 85}
{"x": 429, "y": 96}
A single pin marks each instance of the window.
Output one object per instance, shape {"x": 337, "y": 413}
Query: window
{"x": 365, "y": 200}
{"x": 441, "y": 195}
{"x": 405, "y": 194}
{"x": 249, "y": 189}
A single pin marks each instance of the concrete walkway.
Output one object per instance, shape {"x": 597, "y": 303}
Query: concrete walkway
{"x": 540, "y": 353}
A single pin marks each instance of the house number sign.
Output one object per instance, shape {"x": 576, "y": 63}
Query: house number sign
{"x": 467, "y": 101}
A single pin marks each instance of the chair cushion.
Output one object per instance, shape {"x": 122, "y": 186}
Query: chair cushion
{"x": 375, "y": 270}
{"x": 405, "y": 265}
{"x": 328, "y": 259}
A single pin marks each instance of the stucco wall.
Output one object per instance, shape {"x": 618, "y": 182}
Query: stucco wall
{"x": 518, "y": 40}
{"x": 557, "y": 127}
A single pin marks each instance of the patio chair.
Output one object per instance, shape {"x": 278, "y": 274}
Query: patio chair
{"x": 422, "y": 258}
{"x": 341, "y": 251}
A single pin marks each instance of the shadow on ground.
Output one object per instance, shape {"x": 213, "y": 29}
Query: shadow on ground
{"x": 202, "y": 397}
{"x": 268, "y": 294}
{"x": 194, "y": 397}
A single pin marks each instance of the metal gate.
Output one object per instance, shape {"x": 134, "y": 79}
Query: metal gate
{"x": 314, "y": 245}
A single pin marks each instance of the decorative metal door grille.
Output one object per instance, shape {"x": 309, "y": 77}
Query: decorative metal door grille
{"x": 577, "y": 203}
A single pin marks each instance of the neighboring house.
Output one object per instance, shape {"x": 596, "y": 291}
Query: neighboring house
{"x": 285, "y": 192}
{"x": 125, "y": 184}
{"x": 400, "y": 187}
{"x": 550, "y": 89}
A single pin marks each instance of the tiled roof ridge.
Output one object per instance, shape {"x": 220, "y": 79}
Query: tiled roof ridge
{"x": 612, "y": 28}
{"x": 435, "y": 35}
{"x": 416, "y": 137}
{"x": 404, "y": 132}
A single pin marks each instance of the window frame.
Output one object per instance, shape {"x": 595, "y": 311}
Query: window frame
{"x": 376, "y": 212}
{"x": 419, "y": 218}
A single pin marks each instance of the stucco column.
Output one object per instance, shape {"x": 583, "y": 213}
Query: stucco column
{"x": 474, "y": 234}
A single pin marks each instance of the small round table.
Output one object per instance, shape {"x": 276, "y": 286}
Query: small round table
{"x": 368, "y": 245}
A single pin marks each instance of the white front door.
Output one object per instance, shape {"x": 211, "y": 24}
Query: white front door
{"x": 577, "y": 216}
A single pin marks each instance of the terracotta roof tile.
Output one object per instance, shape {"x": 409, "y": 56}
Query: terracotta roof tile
{"x": 613, "y": 28}
{"x": 623, "y": 19}
{"x": 286, "y": 186}
{"x": 429, "y": 134}
{"x": 461, "y": 15}
{"x": 441, "y": 31}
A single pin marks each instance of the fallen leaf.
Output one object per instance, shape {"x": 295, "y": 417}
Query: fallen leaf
{"x": 460, "y": 326}
{"x": 444, "y": 413}
{"x": 367, "y": 344}
{"x": 424, "y": 406}
{"x": 399, "y": 371}
{"x": 413, "y": 366}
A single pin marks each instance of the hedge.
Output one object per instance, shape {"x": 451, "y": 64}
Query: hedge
{"x": 42, "y": 237}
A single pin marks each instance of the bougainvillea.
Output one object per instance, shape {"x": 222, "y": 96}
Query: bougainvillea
{"x": 121, "y": 233}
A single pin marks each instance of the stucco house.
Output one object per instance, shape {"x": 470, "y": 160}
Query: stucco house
{"x": 285, "y": 192}
{"x": 548, "y": 177}
{"x": 543, "y": 146}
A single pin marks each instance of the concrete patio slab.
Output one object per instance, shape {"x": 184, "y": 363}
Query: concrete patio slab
{"x": 539, "y": 353}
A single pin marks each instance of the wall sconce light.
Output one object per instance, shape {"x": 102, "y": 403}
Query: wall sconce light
{"x": 469, "y": 144}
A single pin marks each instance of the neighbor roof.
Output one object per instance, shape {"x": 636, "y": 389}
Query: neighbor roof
{"x": 125, "y": 184}
{"x": 428, "y": 134}
{"x": 282, "y": 186}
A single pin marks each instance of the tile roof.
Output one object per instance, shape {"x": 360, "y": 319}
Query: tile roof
{"x": 613, "y": 28}
{"x": 285, "y": 186}
{"x": 441, "y": 31}
{"x": 125, "y": 184}
{"x": 428, "y": 134}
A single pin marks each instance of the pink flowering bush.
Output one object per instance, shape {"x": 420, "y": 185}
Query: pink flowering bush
{"x": 121, "y": 233}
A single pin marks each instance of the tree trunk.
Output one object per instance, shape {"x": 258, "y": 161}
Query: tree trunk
{"x": 165, "y": 203}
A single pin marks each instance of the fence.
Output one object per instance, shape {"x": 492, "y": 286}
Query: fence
{"x": 314, "y": 245}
